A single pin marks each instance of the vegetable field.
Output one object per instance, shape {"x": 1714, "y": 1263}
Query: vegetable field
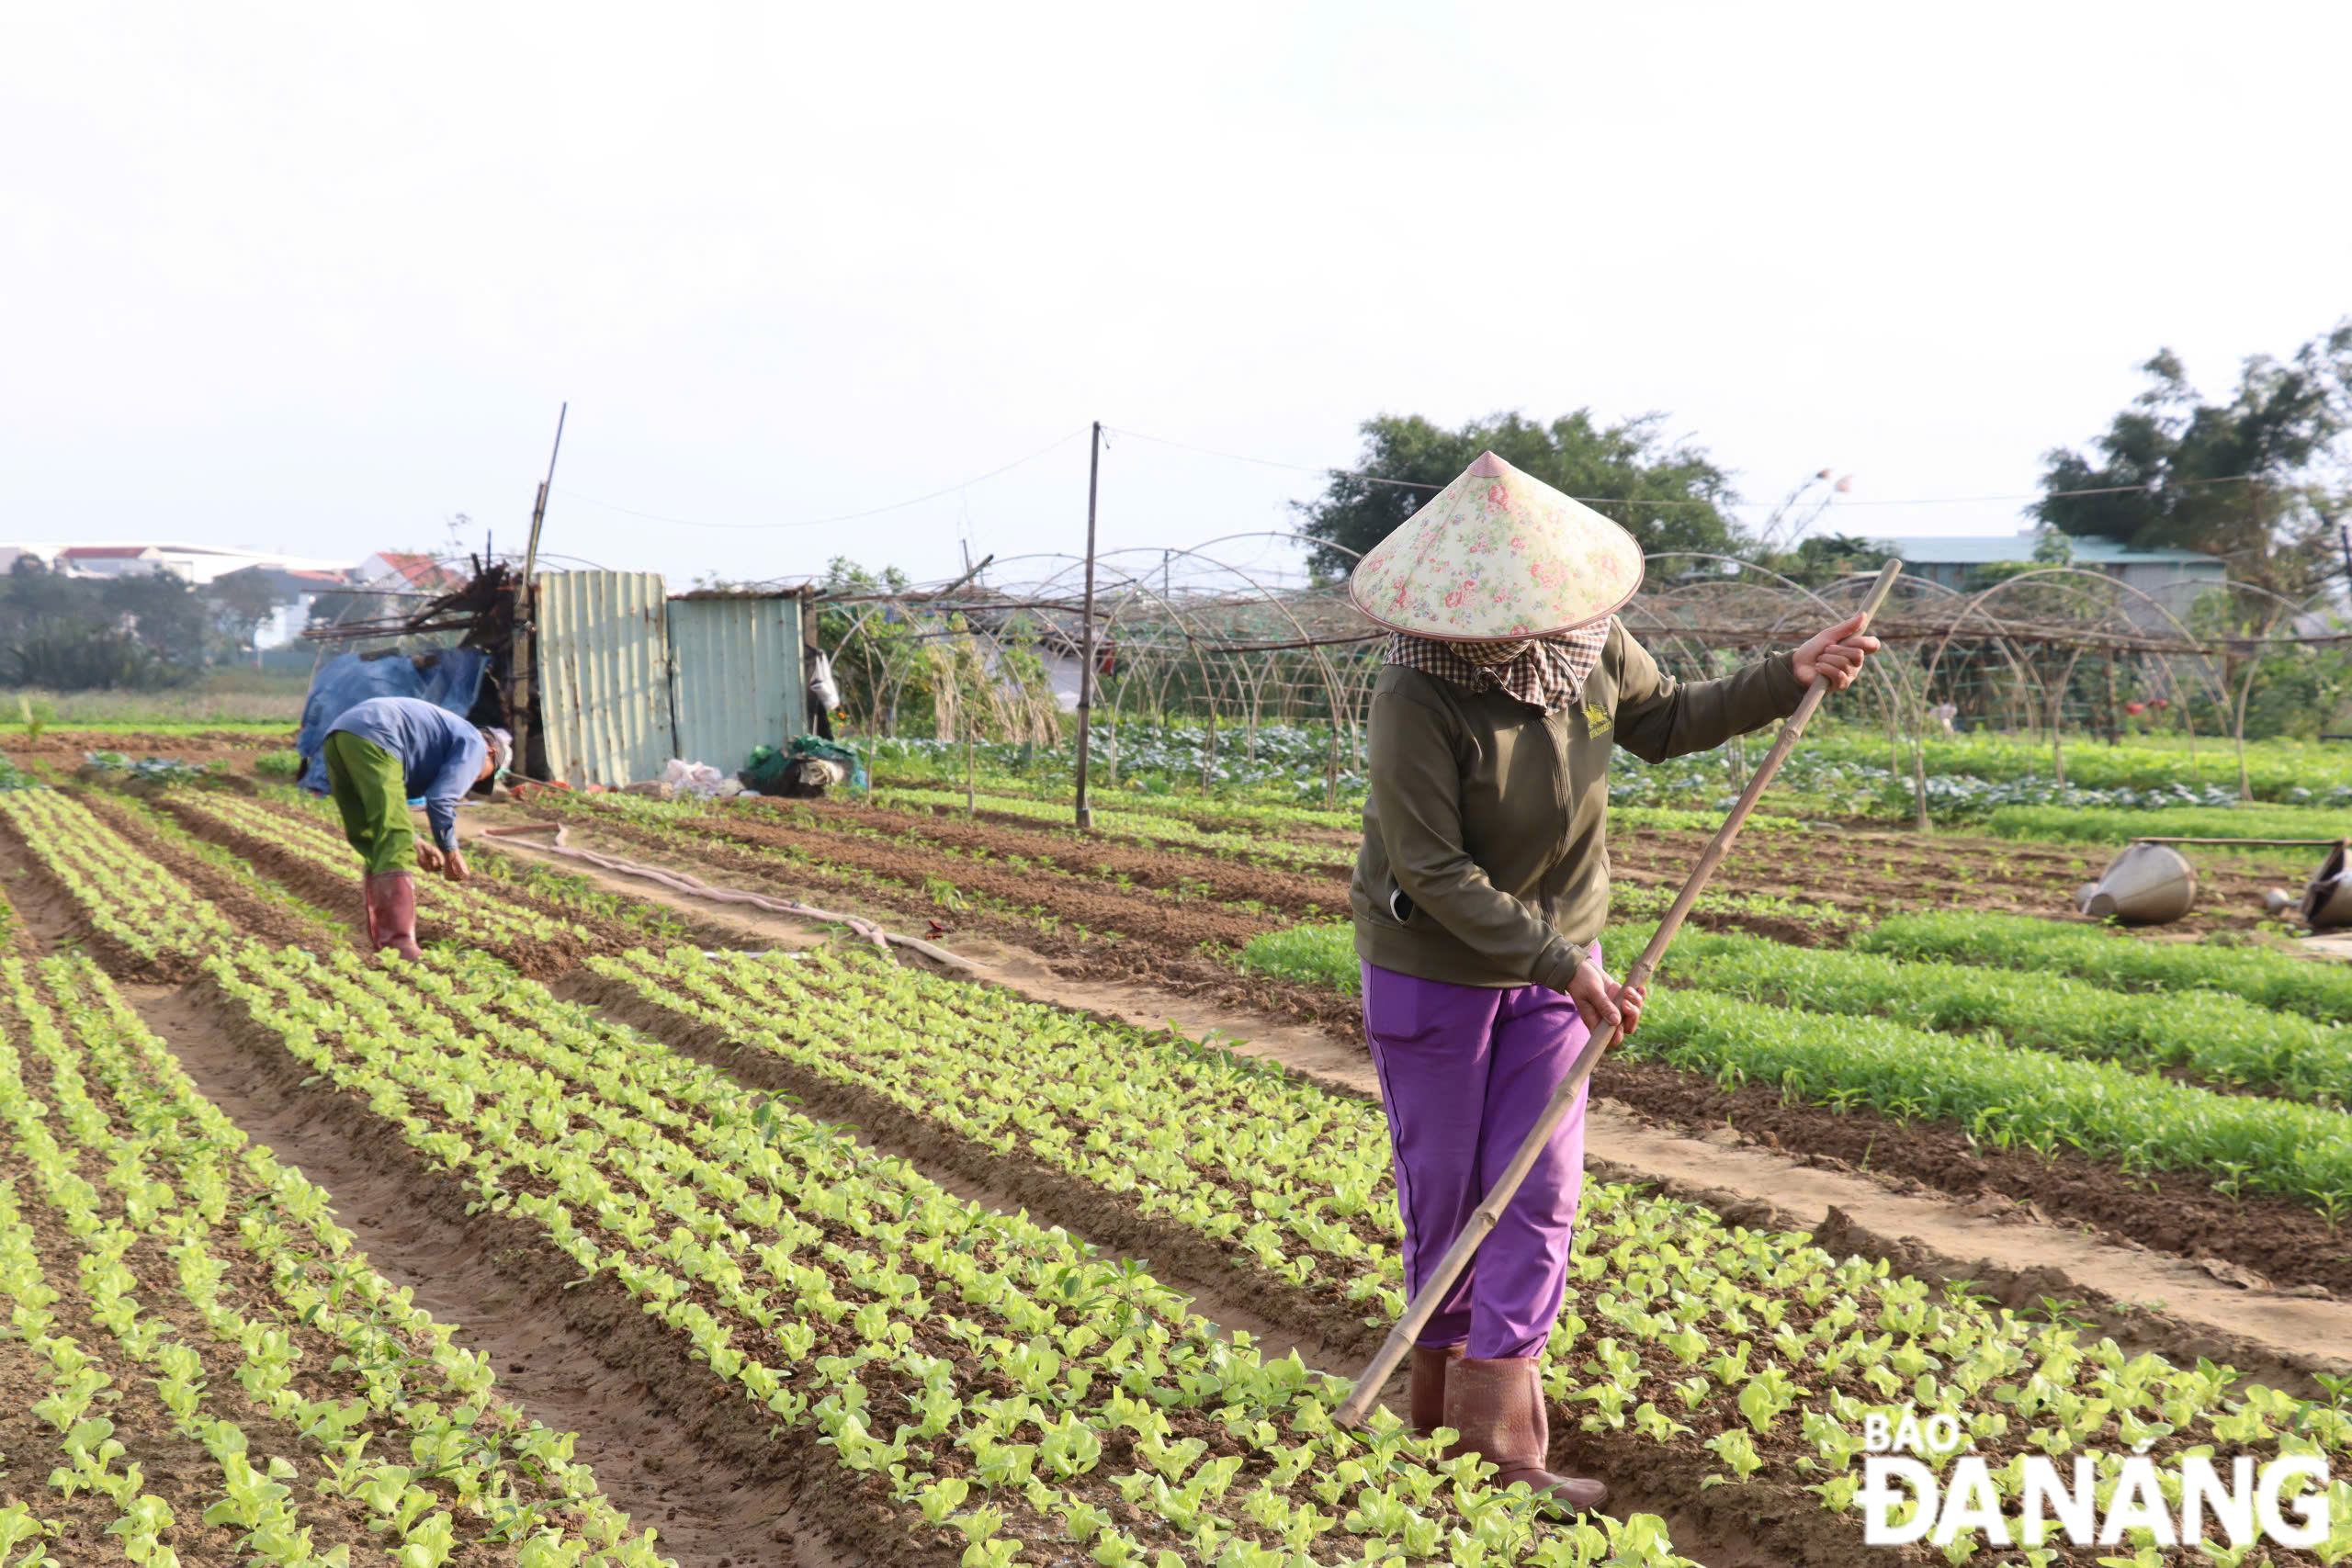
{"x": 875, "y": 1262}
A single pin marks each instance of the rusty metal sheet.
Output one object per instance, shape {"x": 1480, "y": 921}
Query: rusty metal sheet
{"x": 736, "y": 678}
{"x": 604, "y": 662}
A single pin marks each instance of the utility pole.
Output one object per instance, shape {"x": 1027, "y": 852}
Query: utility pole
{"x": 1086, "y": 630}
{"x": 518, "y": 688}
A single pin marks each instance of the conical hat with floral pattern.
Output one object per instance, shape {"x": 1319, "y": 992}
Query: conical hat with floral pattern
{"x": 1496, "y": 555}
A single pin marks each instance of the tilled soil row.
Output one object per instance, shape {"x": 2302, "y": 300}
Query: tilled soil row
{"x": 1291, "y": 893}
{"x": 1177, "y": 927}
{"x": 1921, "y": 875}
{"x": 1172, "y": 924}
{"x": 196, "y": 746}
{"x": 1336, "y": 853}
{"x": 1177, "y": 965}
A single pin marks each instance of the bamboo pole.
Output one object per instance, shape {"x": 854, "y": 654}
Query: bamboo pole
{"x": 523, "y": 628}
{"x": 1483, "y": 1219}
{"x": 1085, "y": 810}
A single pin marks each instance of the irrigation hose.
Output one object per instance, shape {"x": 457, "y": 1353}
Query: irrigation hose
{"x": 694, "y": 888}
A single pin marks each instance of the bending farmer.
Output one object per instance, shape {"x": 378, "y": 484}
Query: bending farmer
{"x": 1482, "y": 888}
{"x": 383, "y": 754}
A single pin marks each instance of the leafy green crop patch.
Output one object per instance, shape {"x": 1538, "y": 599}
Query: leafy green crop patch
{"x": 1003, "y": 1391}
{"x": 327, "y": 1420}
{"x": 1841, "y": 1029}
{"x": 1737, "y": 1355}
{"x": 2265, "y": 978}
{"x": 476, "y": 915}
{"x": 129, "y": 900}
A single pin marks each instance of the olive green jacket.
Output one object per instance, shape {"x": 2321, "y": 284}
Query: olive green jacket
{"x": 1485, "y": 858}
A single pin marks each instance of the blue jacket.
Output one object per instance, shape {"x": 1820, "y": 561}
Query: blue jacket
{"x": 441, "y": 755}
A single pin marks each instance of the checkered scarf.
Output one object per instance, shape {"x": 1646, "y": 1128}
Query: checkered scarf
{"x": 1546, "y": 673}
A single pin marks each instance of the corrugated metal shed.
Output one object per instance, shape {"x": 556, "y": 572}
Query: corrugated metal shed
{"x": 736, "y": 678}
{"x": 604, "y": 662}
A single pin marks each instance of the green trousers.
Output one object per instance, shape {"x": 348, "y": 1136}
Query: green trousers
{"x": 371, "y": 791}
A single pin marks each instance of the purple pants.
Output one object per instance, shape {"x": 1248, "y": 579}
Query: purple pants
{"x": 1464, "y": 1071}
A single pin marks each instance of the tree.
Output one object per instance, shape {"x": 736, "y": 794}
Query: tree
{"x": 2254, "y": 481}
{"x": 1669, "y": 494}
{"x": 78, "y": 633}
{"x": 1822, "y": 559}
{"x": 238, "y": 603}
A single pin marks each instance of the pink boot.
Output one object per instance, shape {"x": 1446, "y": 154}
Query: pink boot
{"x": 392, "y": 912}
{"x": 1498, "y": 1406}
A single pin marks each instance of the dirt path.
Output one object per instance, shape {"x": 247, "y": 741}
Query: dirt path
{"x": 2147, "y": 1299}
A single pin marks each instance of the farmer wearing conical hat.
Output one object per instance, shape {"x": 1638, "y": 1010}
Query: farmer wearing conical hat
{"x": 1482, "y": 888}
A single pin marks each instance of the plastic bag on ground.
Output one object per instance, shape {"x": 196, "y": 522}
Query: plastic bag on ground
{"x": 697, "y": 779}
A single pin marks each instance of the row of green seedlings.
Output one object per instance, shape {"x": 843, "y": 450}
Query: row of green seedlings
{"x": 2264, "y": 976}
{"x": 1005, "y": 1388}
{"x": 2212, "y": 1034}
{"x": 1753, "y": 1351}
{"x": 1698, "y": 1019}
{"x": 152, "y": 916}
{"x": 147, "y": 817}
{"x": 473, "y": 912}
{"x": 1158, "y": 825}
{"x": 1145, "y": 829}
{"x": 500, "y": 874}
{"x": 2216, "y": 1036}
{"x": 327, "y": 1403}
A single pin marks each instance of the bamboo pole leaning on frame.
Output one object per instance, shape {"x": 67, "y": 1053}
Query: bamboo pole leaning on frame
{"x": 1482, "y": 1219}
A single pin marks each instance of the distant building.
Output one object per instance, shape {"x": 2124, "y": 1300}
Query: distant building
{"x": 397, "y": 571}
{"x": 2172, "y": 578}
{"x": 297, "y": 583}
{"x": 293, "y": 592}
{"x": 198, "y": 564}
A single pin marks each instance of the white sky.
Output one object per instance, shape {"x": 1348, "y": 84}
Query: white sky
{"x": 298, "y": 278}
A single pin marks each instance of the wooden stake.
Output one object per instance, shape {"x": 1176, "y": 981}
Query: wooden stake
{"x": 518, "y": 685}
{"x": 1086, "y": 632}
{"x": 1483, "y": 1219}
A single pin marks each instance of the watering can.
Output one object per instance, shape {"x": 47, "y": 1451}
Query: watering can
{"x": 2147, "y": 884}
{"x": 2327, "y": 901}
